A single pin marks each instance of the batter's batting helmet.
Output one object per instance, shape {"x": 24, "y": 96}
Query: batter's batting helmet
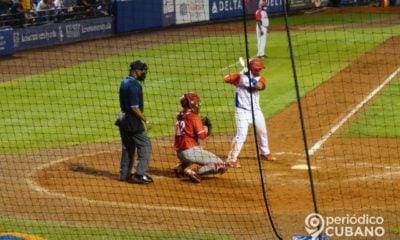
{"x": 191, "y": 101}
{"x": 256, "y": 65}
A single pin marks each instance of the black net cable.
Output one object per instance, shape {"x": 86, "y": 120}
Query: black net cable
{"x": 300, "y": 109}
{"x": 264, "y": 190}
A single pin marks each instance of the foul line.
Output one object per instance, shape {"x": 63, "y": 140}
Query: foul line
{"x": 317, "y": 145}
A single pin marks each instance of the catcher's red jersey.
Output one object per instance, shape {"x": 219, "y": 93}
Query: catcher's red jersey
{"x": 188, "y": 130}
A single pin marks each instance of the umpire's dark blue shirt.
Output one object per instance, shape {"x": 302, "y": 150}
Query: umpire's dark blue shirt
{"x": 130, "y": 94}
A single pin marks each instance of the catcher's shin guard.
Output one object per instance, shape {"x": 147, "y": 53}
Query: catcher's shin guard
{"x": 212, "y": 168}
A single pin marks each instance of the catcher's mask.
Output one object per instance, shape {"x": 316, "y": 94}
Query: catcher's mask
{"x": 256, "y": 65}
{"x": 191, "y": 101}
{"x": 139, "y": 65}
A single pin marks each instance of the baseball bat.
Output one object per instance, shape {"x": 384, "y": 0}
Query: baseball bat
{"x": 242, "y": 62}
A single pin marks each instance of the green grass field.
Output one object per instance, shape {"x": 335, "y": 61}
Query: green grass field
{"x": 78, "y": 104}
{"x": 60, "y": 231}
{"x": 381, "y": 118}
{"x": 59, "y": 108}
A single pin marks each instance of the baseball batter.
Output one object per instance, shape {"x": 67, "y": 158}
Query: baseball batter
{"x": 262, "y": 29}
{"x": 243, "y": 113}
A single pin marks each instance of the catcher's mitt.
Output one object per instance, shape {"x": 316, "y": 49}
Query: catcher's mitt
{"x": 207, "y": 122}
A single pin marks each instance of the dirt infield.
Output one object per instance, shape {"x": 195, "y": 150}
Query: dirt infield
{"x": 78, "y": 185}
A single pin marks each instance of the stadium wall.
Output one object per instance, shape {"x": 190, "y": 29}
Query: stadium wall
{"x": 6, "y": 41}
{"x": 129, "y": 16}
{"x": 60, "y": 33}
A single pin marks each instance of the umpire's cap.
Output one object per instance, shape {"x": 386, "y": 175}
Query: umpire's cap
{"x": 138, "y": 65}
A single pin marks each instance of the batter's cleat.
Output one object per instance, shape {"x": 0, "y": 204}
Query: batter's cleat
{"x": 269, "y": 157}
{"x": 141, "y": 179}
{"x": 179, "y": 171}
{"x": 192, "y": 175}
{"x": 233, "y": 164}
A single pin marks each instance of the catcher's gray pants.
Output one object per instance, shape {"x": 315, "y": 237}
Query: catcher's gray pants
{"x": 202, "y": 157}
{"x": 131, "y": 142}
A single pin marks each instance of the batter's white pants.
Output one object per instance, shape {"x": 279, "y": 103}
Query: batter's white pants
{"x": 261, "y": 41}
{"x": 243, "y": 119}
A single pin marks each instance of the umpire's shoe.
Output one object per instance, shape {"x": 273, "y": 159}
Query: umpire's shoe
{"x": 142, "y": 179}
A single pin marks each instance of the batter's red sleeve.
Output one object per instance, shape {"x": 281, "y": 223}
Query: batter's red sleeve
{"x": 232, "y": 78}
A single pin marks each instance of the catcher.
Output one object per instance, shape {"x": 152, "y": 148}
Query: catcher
{"x": 189, "y": 128}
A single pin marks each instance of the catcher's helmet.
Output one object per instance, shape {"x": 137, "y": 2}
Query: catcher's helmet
{"x": 256, "y": 65}
{"x": 191, "y": 101}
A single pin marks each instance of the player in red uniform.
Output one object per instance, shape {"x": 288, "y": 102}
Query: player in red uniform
{"x": 189, "y": 130}
{"x": 262, "y": 29}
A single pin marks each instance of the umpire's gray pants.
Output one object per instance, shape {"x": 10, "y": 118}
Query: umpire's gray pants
{"x": 131, "y": 142}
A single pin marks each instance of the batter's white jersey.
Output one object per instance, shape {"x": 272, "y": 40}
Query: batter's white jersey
{"x": 242, "y": 94}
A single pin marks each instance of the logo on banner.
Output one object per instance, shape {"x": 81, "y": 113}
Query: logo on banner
{"x": 73, "y": 30}
{"x": 17, "y": 38}
{"x": 226, "y": 6}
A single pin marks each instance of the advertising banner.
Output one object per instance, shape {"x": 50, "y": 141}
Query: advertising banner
{"x": 299, "y": 4}
{"x": 276, "y": 6}
{"x": 58, "y": 33}
{"x": 168, "y": 18}
{"x": 220, "y": 9}
{"x": 6, "y": 41}
{"x": 189, "y": 11}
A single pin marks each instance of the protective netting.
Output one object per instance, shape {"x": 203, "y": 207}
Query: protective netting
{"x": 60, "y": 150}
{"x": 348, "y": 77}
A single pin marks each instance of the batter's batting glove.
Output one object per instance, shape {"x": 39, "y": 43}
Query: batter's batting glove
{"x": 254, "y": 82}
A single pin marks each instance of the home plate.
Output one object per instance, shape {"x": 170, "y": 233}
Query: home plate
{"x": 302, "y": 167}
